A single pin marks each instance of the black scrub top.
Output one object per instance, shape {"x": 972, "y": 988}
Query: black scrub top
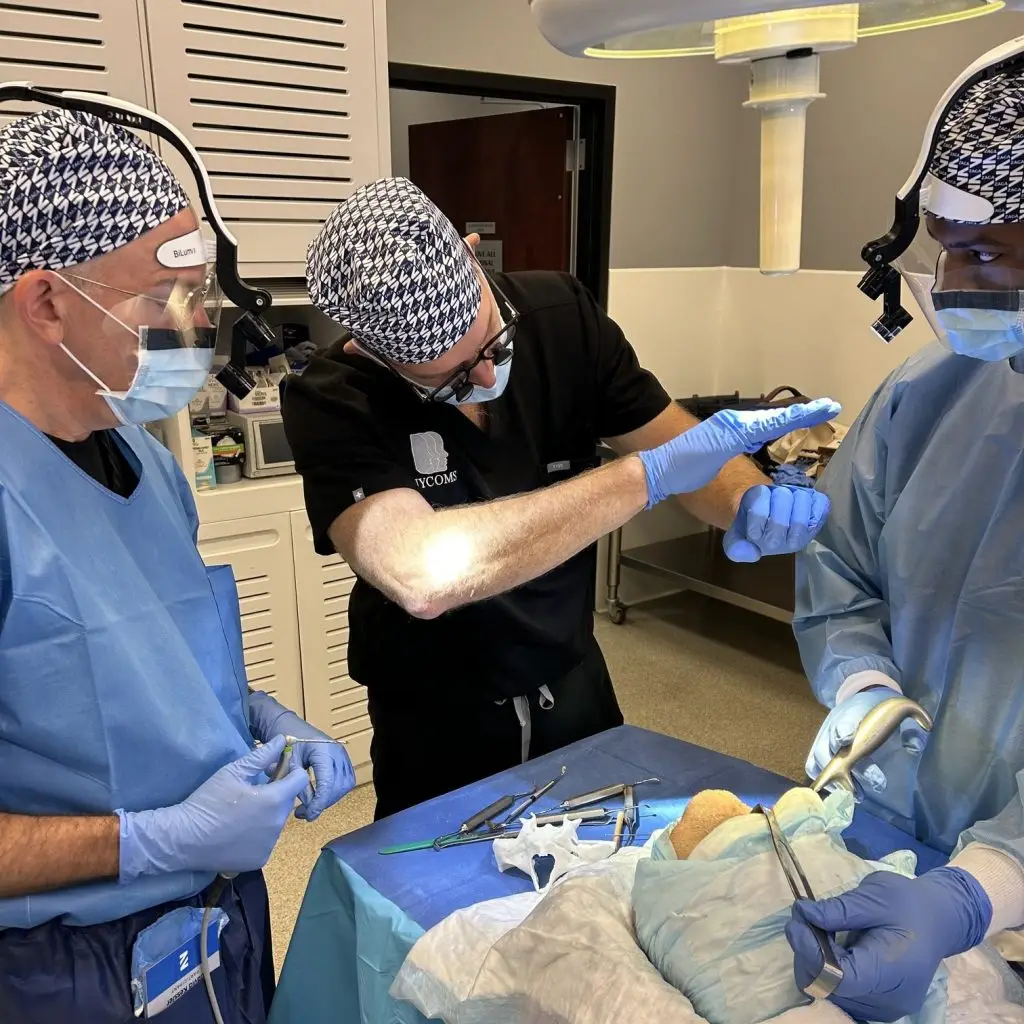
{"x": 100, "y": 456}
{"x": 356, "y": 429}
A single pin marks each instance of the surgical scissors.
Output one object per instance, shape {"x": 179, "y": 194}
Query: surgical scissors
{"x": 831, "y": 973}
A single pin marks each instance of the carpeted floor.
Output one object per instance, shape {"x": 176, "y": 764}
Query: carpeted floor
{"x": 687, "y": 666}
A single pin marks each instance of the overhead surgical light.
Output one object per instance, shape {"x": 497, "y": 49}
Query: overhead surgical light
{"x": 781, "y": 45}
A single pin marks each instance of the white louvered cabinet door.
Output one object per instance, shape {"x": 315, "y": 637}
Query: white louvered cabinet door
{"x": 88, "y": 45}
{"x": 335, "y": 702}
{"x": 259, "y": 550}
{"x": 280, "y": 98}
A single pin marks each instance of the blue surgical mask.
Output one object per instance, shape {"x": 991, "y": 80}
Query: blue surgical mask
{"x": 987, "y": 334}
{"x": 169, "y": 375}
{"x": 480, "y": 394}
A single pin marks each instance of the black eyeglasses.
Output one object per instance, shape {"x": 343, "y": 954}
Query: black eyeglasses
{"x": 498, "y": 351}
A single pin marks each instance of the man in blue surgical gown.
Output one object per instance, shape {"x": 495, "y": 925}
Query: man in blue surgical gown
{"x": 128, "y": 774}
{"x": 916, "y": 584}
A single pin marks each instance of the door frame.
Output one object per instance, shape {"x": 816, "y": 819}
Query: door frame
{"x": 596, "y": 104}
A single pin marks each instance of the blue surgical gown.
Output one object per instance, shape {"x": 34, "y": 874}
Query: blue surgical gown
{"x": 122, "y": 682}
{"x": 919, "y": 574}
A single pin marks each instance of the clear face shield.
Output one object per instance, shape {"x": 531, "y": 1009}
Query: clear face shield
{"x": 968, "y": 280}
{"x": 175, "y": 324}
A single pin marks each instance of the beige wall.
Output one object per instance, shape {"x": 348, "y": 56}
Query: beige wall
{"x": 863, "y": 137}
{"x": 668, "y": 208}
{"x": 686, "y": 152}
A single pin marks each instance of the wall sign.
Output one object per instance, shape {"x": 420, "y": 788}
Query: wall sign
{"x": 488, "y": 254}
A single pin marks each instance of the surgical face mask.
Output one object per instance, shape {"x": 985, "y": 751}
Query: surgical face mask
{"x": 987, "y": 334}
{"x": 169, "y": 374}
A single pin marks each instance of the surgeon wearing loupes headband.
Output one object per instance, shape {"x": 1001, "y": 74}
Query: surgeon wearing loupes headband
{"x": 914, "y": 584}
{"x": 965, "y": 267}
{"x": 134, "y": 760}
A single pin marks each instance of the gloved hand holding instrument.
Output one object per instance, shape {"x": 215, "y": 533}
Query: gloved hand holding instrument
{"x": 228, "y": 825}
{"x": 310, "y": 748}
{"x": 822, "y": 972}
{"x": 900, "y": 929}
{"x": 843, "y": 721}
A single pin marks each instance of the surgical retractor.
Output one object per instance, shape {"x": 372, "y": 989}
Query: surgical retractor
{"x": 875, "y": 728}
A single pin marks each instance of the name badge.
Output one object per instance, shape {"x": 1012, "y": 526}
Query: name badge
{"x": 161, "y": 978}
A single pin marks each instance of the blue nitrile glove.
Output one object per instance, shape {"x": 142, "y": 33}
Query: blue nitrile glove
{"x": 693, "y": 459}
{"x": 330, "y": 761}
{"x": 229, "y": 824}
{"x": 775, "y": 520}
{"x": 903, "y": 928}
{"x": 840, "y": 725}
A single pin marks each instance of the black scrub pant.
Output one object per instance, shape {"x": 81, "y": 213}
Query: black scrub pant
{"x": 61, "y": 974}
{"x": 428, "y": 744}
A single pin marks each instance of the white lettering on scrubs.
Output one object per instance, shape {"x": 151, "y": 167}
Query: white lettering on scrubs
{"x": 436, "y": 480}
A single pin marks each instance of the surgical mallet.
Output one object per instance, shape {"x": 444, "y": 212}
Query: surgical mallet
{"x": 875, "y": 728}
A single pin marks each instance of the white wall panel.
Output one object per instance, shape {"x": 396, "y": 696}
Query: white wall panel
{"x": 280, "y": 98}
{"x": 259, "y": 550}
{"x": 335, "y": 702}
{"x": 89, "y": 45}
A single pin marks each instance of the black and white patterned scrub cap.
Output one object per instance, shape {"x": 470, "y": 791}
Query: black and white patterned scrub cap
{"x": 73, "y": 187}
{"x": 390, "y": 267}
{"x": 979, "y": 156}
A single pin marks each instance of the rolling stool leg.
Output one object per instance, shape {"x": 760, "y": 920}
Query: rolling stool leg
{"x": 616, "y": 609}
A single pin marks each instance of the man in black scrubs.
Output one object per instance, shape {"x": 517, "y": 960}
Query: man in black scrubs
{"x": 448, "y": 454}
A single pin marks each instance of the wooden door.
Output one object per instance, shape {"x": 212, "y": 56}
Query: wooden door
{"x": 506, "y": 177}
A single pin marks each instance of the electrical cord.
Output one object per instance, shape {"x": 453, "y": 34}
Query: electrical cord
{"x": 213, "y": 896}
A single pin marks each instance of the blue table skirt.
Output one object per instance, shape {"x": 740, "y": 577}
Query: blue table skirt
{"x": 362, "y": 912}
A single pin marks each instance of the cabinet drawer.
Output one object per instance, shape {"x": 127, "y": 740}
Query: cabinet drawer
{"x": 337, "y": 635}
{"x": 346, "y": 698}
{"x": 337, "y": 589}
{"x": 348, "y": 714}
{"x": 357, "y": 742}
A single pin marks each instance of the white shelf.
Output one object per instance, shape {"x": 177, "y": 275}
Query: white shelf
{"x": 251, "y": 498}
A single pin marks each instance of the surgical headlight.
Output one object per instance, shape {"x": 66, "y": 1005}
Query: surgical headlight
{"x": 906, "y": 253}
{"x": 224, "y": 282}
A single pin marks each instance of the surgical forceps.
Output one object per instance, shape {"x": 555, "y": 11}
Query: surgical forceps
{"x": 604, "y": 793}
{"x": 874, "y": 729}
{"x": 831, "y": 973}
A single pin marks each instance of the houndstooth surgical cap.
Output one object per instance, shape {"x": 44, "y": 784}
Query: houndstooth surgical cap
{"x": 73, "y": 187}
{"x": 977, "y": 172}
{"x": 390, "y": 267}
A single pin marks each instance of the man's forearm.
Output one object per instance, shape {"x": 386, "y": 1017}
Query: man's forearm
{"x": 40, "y": 853}
{"x": 432, "y": 563}
{"x": 718, "y": 503}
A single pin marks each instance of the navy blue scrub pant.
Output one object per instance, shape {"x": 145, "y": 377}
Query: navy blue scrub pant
{"x": 59, "y": 974}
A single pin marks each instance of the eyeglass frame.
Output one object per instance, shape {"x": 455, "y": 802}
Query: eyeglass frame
{"x": 502, "y": 354}
{"x": 200, "y": 292}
